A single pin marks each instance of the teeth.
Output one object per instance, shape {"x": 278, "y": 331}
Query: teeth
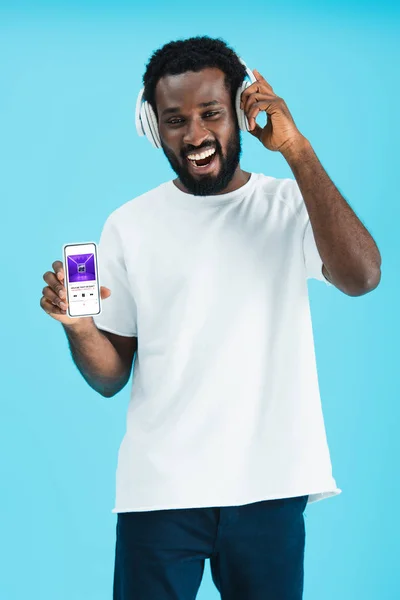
{"x": 202, "y": 154}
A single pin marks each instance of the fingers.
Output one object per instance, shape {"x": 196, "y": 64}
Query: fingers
{"x": 104, "y": 292}
{"x": 54, "y": 283}
{"x": 54, "y": 296}
{"x": 259, "y": 87}
{"x": 257, "y": 103}
{"x": 254, "y": 103}
{"x": 54, "y": 299}
{"x": 49, "y": 308}
{"x": 58, "y": 270}
{"x": 253, "y": 108}
{"x": 261, "y": 79}
{"x": 257, "y": 131}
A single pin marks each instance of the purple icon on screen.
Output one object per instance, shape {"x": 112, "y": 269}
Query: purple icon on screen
{"x": 81, "y": 268}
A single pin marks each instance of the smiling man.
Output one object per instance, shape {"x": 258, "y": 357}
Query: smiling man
{"x": 206, "y": 281}
{"x": 202, "y": 169}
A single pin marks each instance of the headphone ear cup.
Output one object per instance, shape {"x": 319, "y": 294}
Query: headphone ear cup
{"x": 138, "y": 114}
{"x": 146, "y": 121}
{"x": 153, "y": 125}
{"x": 242, "y": 119}
{"x": 145, "y": 124}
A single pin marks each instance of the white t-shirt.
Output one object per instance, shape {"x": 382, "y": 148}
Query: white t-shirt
{"x": 225, "y": 406}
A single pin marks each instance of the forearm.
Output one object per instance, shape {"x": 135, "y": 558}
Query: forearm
{"x": 348, "y": 251}
{"x": 96, "y": 358}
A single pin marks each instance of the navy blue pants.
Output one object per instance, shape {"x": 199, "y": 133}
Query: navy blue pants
{"x": 256, "y": 551}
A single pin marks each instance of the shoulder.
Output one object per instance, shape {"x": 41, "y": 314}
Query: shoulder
{"x": 285, "y": 190}
{"x": 138, "y": 209}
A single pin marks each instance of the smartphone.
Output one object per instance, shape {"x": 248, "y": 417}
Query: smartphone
{"x": 82, "y": 279}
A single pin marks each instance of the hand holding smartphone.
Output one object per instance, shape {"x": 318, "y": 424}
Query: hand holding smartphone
{"x": 59, "y": 288}
{"x": 82, "y": 280}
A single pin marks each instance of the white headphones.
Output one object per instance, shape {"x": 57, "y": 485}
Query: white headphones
{"x": 146, "y": 120}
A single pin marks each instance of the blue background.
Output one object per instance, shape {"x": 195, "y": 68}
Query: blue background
{"x": 70, "y": 74}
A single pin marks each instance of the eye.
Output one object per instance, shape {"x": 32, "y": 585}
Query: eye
{"x": 174, "y": 121}
{"x": 207, "y": 115}
{"x": 211, "y": 113}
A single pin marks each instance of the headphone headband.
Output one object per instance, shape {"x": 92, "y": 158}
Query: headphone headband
{"x": 249, "y": 72}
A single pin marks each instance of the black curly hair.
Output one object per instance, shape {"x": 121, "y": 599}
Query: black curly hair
{"x": 193, "y": 54}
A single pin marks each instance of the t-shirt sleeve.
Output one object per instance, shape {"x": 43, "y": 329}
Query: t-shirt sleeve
{"x": 119, "y": 313}
{"x": 312, "y": 259}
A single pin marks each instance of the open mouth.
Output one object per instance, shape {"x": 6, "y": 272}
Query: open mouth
{"x": 201, "y": 160}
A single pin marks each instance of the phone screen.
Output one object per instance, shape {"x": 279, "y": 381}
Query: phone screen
{"x": 81, "y": 279}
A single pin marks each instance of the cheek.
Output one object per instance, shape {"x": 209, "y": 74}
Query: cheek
{"x": 224, "y": 140}
{"x": 225, "y": 132}
{"x": 171, "y": 141}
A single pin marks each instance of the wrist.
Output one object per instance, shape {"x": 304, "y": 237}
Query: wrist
{"x": 298, "y": 149}
{"x": 80, "y": 326}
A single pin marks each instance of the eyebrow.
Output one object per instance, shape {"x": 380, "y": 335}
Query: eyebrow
{"x": 175, "y": 109}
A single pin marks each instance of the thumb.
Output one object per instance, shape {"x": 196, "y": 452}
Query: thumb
{"x": 104, "y": 292}
{"x": 256, "y": 131}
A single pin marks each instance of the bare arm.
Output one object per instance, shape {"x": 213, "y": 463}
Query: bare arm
{"x": 352, "y": 261}
{"x": 351, "y": 258}
{"x": 104, "y": 359}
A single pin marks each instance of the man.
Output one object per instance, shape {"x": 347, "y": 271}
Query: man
{"x": 207, "y": 283}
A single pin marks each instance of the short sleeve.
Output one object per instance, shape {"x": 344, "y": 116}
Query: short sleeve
{"x": 119, "y": 312}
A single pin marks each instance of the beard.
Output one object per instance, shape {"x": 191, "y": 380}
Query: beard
{"x": 208, "y": 185}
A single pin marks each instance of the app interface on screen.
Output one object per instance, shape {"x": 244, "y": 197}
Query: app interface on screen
{"x": 82, "y": 281}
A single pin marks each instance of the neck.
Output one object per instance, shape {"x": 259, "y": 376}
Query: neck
{"x": 238, "y": 180}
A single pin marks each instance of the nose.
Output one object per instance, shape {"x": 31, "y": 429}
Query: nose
{"x": 195, "y": 133}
